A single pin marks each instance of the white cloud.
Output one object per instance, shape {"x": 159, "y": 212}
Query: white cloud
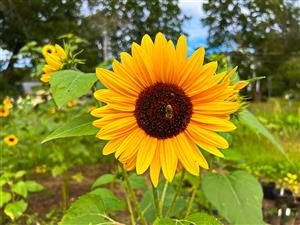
{"x": 197, "y": 33}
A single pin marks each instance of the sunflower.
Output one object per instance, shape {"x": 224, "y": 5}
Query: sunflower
{"x": 7, "y": 103}
{"x": 162, "y": 107}
{"x": 11, "y": 140}
{"x": 4, "y": 111}
{"x": 55, "y": 57}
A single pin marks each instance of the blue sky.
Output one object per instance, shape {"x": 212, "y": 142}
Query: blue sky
{"x": 197, "y": 34}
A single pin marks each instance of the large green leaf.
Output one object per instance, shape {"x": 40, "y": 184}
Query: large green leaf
{"x": 33, "y": 186}
{"x": 89, "y": 209}
{"x": 81, "y": 125}
{"x": 249, "y": 120}
{"x": 4, "y": 197}
{"x": 194, "y": 219}
{"x": 201, "y": 219}
{"x": 104, "y": 179}
{"x": 70, "y": 84}
{"x": 20, "y": 188}
{"x": 15, "y": 209}
{"x": 110, "y": 201}
{"x": 237, "y": 196}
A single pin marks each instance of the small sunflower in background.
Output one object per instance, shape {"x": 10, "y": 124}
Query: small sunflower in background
{"x": 161, "y": 106}
{"x": 4, "y": 111}
{"x": 71, "y": 103}
{"x": 7, "y": 103}
{"x": 55, "y": 57}
{"x": 11, "y": 140}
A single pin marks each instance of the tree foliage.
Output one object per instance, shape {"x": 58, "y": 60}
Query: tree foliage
{"x": 266, "y": 32}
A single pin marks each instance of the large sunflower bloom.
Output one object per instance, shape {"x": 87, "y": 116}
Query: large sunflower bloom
{"x": 161, "y": 105}
{"x": 55, "y": 57}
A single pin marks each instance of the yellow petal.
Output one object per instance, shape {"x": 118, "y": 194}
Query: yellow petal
{"x": 110, "y": 118}
{"x": 192, "y": 69}
{"x": 147, "y": 44}
{"x": 112, "y": 146}
{"x": 184, "y": 153}
{"x": 159, "y": 57}
{"x": 181, "y": 51}
{"x": 215, "y": 107}
{"x": 205, "y": 77}
{"x": 45, "y": 78}
{"x": 155, "y": 165}
{"x": 109, "y": 96}
{"x": 131, "y": 144}
{"x": 218, "y": 123}
{"x": 143, "y": 64}
{"x": 130, "y": 163}
{"x": 206, "y": 136}
{"x": 123, "y": 72}
{"x": 60, "y": 51}
{"x": 117, "y": 128}
{"x": 113, "y": 82}
{"x": 103, "y": 111}
{"x": 145, "y": 154}
{"x": 168, "y": 159}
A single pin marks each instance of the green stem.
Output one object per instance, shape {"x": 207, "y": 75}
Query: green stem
{"x": 133, "y": 197}
{"x": 65, "y": 191}
{"x": 156, "y": 202}
{"x": 178, "y": 190}
{"x": 194, "y": 192}
{"x": 163, "y": 196}
{"x": 129, "y": 207}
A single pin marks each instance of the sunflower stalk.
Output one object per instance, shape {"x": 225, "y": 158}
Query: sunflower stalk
{"x": 133, "y": 197}
{"x": 194, "y": 192}
{"x": 129, "y": 207}
{"x": 163, "y": 196}
{"x": 156, "y": 202}
{"x": 178, "y": 190}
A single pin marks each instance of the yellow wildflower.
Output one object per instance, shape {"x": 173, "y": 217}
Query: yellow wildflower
{"x": 11, "y": 140}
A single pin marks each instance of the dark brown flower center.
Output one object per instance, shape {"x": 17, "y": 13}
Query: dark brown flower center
{"x": 11, "y": 139}
{"x": 163, "y": 110}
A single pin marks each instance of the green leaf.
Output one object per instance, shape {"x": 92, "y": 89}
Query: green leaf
{"x": 110, "y": 201}
{"x": 164, "y": 221}
{"x": 20, "y": 173}
{"x": 70, "y": 84}
{"x": 104, "y": 179}
{"x": 4, "y": 197}
{"x": 239, "y": 199}
{"x": 201, "y": 219}
{"x": 138, "y": 182}
{"x": 33, "y": 186}
{"x": 20, "y": 188}
{"x": 249, "y": 120}
{"x": 81, "y": 125}
{"x": 194, "y": 219}
{"x": 89, "y": 209}
{"x": 15, "y": 209}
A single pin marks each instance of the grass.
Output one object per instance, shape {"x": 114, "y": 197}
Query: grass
{"x": 263, "y": 159}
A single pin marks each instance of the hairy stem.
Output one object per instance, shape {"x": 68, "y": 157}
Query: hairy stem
{"x": 178, "y": 190}
{"x": 129, "y": 207}
{"x": 156, "y": 201}
{"x": 194, "y": 192}
{"x": 133, "y": 197}
{"x": 163, "y": 196}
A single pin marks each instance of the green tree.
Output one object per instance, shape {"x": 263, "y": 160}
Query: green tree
{"x": 266, "y": 33}
{"x": 109, "y": 25}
